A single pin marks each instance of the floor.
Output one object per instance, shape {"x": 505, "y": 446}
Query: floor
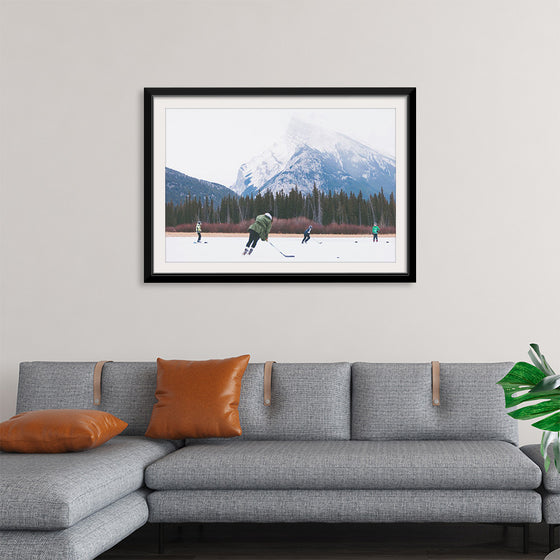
{"x": 333, "y": 542}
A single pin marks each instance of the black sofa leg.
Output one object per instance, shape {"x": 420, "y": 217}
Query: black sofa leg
{"x": 161, "y": 538}
{"x": 525, "y": 538}
{"x": 551, "y": 544}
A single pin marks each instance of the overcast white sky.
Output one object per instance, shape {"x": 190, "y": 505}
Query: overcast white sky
{"x": 211, "y": 144}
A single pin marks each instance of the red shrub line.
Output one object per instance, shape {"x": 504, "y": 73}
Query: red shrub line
{"x": 282, "y": 225}
{"x": 241, "y": 227}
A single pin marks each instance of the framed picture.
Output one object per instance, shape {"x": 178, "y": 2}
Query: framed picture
{"x": 280, "y": 184}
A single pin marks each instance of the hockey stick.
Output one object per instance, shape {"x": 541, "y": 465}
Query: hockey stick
{"x": 318, "y": 242}
{"x": 283, "y": 254}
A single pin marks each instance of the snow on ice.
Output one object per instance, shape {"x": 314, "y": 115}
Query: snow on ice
{"x": 327, "y": 249}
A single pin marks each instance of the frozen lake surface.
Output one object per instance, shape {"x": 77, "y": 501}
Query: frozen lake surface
{"x": 318, "y": 250}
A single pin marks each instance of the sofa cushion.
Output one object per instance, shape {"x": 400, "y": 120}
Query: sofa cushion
{"x": 550, "y": 478}
{"x": 127, "y": 389}
{"x": 345, "y": 465}
{"x": 45, "y": 385}
{"x": 85, "y": 540}
{"x": 197, "y": 399}
{"x": 58, "y": 430}
{"x": 309, "y": 402}
{"x": 551, "y": 508}
{"x": 54, "y": 491}
{"x": 394, "y": 401}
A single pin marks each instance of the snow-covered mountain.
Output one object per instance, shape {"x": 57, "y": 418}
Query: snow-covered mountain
{"x": 308, "y": 155}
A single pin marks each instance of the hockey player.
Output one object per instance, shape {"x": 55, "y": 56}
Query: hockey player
{"x": 258, "y": 230}
{"x": 199, "y": 231}
{"x": 375, "y": 230}
{"x": 307, "y": 234}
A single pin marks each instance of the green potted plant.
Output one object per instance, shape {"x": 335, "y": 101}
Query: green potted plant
{"x": 526, "y": 383}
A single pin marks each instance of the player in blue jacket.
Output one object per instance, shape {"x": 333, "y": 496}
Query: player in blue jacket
{"x": 307, "y": 234}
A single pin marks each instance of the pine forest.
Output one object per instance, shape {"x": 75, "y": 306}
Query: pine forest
{"x": 330, "y": 212}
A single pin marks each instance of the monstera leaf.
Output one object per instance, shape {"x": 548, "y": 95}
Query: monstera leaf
{"x": 526, "y": 383}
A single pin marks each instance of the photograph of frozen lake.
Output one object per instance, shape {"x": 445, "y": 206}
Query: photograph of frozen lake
{"x": 280, "y": 185}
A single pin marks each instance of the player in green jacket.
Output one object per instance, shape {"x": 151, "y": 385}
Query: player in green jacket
{"x": 258, "y": 230}
{"x": 199, "y": 231}
{"x": 375, "y": 230}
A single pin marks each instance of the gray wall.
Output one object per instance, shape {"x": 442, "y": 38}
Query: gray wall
{"x": 72, "y": 74}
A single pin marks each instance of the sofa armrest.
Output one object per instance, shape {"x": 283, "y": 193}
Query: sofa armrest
{"x": 551, "y": 479}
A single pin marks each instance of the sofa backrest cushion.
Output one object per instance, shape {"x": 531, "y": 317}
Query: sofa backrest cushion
{"x": 309, "y": 401}
{"x": 394, "y": 402}
{"x": 127, "y": 389}
{"x": 44, "y": 385}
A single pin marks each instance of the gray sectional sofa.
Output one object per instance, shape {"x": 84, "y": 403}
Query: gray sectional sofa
{"x": 340, "y": 442}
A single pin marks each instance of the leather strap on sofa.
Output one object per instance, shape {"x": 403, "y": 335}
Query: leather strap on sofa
{"x": 268, "y": 383}
{"x": 435, "y": 383}
{"x": 97, "y": 371}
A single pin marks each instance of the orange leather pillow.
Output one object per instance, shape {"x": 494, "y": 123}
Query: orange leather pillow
{"x": 58, "y": 431}
{"x": 197, "y": 399}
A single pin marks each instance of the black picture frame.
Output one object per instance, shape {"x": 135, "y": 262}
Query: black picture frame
{"x": 406, "y": 96}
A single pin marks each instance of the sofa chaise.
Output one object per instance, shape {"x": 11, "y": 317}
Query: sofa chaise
{"x": 340, "y": 442}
